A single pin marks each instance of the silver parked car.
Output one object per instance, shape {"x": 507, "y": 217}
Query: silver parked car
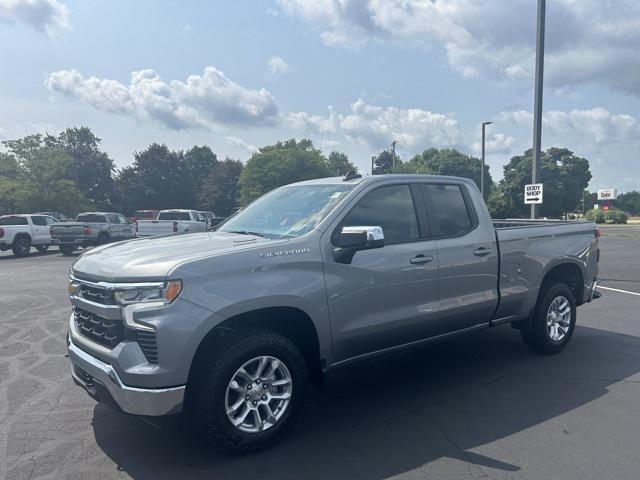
{"x": 90, "y": 229}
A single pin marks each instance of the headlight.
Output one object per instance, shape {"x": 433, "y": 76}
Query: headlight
{"x": 164, "y": 295}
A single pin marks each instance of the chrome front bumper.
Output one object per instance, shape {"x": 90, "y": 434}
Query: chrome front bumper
{"x": 102, "y": 383}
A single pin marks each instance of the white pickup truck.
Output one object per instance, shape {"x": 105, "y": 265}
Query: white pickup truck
{"x": 20, "y": 232}
{"x": 172, "y": 221}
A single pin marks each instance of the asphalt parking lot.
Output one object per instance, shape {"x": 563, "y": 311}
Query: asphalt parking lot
{"x": 482, "y": 406}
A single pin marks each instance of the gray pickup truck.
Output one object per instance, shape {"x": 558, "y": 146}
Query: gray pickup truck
{"x": 91, "y": 228}
{"x": 230, "y": 325}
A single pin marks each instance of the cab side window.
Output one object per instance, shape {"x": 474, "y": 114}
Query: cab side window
{"x": 113, "y": 219}
{"x": 392, "y": 209}
{"x": 40, "y": 221}
{"x": 448, "y": 209}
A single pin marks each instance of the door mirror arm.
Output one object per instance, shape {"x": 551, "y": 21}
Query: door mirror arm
{"x": 353, "y": 239}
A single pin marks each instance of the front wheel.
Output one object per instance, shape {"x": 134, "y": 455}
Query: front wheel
{"x": 21, "y": 247}
{"x": 554, "y": 320}
{"x": 251, "y": 392}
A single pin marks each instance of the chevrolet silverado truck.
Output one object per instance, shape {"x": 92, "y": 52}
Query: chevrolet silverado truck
{"x": 172, "y": 221}
{"x": 21, "y": 232}
{"x": 90, "y": 229}
{"x": 229, "y": 326}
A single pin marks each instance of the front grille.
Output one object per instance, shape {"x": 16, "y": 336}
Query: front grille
{"x": 103, "y": 331}
{"x": 148, "y": 345}
{"x": 97, "y": 295}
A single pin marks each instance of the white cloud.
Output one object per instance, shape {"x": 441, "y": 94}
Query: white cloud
{"x": 202, "y": 101}
{"x": 241, "y": 144}
{"x": 277, "y": 66}
{"x": 50, "y": 16}
{"x": 496, "y": 143}
{"x": 595, "y": 127}
{"x": 587, "y": 40}
{"x": 610, "y": 141}
{"x": 378, "y": 126}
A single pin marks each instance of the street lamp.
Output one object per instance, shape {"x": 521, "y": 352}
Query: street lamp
{"x": 484, "y": 124}
{"x": 537, "y": 102}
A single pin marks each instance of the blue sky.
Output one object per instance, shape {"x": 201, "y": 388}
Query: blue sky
{"x": 350, "y": 74}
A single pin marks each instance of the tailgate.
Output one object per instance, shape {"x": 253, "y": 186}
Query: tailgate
{"x": 154, "y": 227}
{"x": 67, "y": 230}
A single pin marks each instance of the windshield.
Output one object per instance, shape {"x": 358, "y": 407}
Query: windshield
{"x": 287, "y": 211}
{"x": 171, "y": 215}
{"x": 145, "y": 214}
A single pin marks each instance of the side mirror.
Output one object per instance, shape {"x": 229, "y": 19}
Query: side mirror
{"x": 352, "y": 239}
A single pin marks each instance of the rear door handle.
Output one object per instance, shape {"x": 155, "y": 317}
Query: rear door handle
{"x": 482, "y": 251}
{"x": 421, "y": 259}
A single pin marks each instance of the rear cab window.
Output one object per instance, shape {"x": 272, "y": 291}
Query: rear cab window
{"x": 181, "y": 216}
{"x": 13, "y": 220}
{"x": 449, "y": 210}
{"x": 91, "y": 218}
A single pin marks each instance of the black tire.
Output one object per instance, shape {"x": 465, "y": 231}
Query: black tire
{"x": 537, "y": 336}
{"x": 66, "y": 249}
{"x": 21, "y": 246}
{"x": 103, "y": 238}
{"x": 42, "y": 248}
{"x": 208, "y": 410}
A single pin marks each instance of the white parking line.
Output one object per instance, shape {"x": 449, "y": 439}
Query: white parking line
{"x": 618, "y": 290}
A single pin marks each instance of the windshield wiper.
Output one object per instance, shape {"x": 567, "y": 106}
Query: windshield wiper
{"x": 245, "y": 232}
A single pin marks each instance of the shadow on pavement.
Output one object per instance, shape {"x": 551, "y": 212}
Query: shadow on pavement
{"x": 396, "y": 414}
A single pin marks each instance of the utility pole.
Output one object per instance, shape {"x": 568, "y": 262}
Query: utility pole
{"x": 393, "y": 153}
{"x": 373, "y": 161}
{"x": 537, "y": 107}
{"x": 484, "y": 124}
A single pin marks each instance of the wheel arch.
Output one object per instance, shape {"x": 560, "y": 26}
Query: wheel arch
{"x": 290, "y": 322}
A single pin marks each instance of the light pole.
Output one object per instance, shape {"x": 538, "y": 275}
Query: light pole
{"x": 537, "y": 103}
{"x": 484, "y": 124}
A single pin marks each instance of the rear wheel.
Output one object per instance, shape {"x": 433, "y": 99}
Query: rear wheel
{"x": 554, "y": 320}
{"x": 103, "y": 238}
{"x": 66, "y": 249}
{"x": 42, "y": 248}
{"x": 251, "y": 392}
{"x": 21, "y": 246}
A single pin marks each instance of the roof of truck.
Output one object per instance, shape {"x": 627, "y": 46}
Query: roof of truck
{"x": 375, "y": 178}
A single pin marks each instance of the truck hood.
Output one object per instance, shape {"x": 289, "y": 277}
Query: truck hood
{"x": 151, "y": 259}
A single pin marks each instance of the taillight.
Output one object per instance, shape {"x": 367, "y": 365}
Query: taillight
{"x": 87, "y": 230}
{"x": 1, "y": 232}
{"x": 598, "y": 232}
{"x": 175, "y": 226}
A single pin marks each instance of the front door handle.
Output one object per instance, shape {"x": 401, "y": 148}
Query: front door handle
{"x": 421, "y": 259}
{"x": 482, "y": 251}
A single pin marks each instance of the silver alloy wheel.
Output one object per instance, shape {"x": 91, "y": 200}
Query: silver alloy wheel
{"x": 558, "y": 318}
{"x": 258, "y": 394}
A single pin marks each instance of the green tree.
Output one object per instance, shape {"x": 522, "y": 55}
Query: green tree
{"x": 448, "y": 161}
{"x": 158, "y": 178}
{"x": 338, "y": 164}
{"x": 220, "y": 191}
{"x": 629, "y": 202}
{"x": 564, "y": 175}
{"x": 37, "y": 175}
{"x": 280, "y": 164}
{"x": 200, "y": 160}
{"x": 384, "y": 163}
{"x": 92, "y": 169}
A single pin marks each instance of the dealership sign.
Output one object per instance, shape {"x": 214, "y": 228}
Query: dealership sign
{"x": 533, "y": 193}
{"x": 607, "y": 194}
